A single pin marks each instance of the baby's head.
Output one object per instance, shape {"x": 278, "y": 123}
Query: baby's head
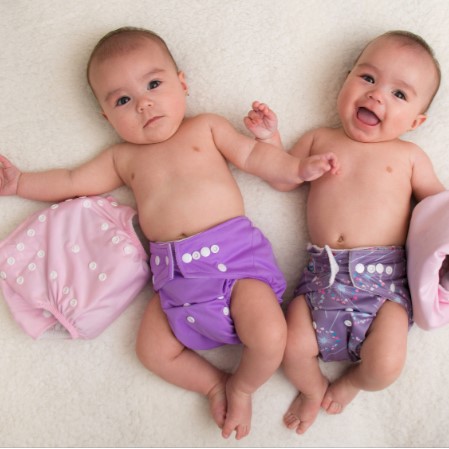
{"x": 389, "y": 89}
{"x": 138, "y": 85}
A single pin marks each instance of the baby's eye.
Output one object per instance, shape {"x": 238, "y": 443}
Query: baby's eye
{"x": 122, "y": 100}
{"x": 153, "y": 84}
{"x": 399, "y": 94}
{"x": 368, "y": 78}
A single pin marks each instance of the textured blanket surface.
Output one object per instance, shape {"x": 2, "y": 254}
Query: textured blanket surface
{"x": 292, "y": 54}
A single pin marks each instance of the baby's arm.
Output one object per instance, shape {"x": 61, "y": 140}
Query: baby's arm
{"x": 92, "y": 178}
{"x": 424, "y": 181}
{"x": 262, "y": 122}
{"x": 282, "y": 170}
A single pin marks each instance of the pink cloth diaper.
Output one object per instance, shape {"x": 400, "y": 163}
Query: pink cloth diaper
{"x": 76, "y": 265}
{"x": 427, "y": 250}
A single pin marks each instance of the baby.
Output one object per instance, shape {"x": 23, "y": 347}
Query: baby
{"x": 215, "y": 274}
{"x": 352, "y": 302}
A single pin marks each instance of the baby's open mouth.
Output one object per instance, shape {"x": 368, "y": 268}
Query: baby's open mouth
{"x": 367, "y": 117}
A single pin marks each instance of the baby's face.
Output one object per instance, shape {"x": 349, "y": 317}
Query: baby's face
{"x": 387, "y": 91}
{"x": 140, "y": 93}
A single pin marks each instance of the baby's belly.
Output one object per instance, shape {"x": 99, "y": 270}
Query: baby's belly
{"x": 183, "y": 216}
{"x": 348, "y": 227}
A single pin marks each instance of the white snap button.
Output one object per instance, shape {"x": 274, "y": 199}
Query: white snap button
{"x": 31, "y": 232}
{"x": 114, "y": 203}
{"x": 2, "y": 275}
{"x": 115, "y": 239}
{"x": 186, "y": 304}
{"x": 379, "y": 268}
{"x": 220, "y": 297}
{"x": 215, "y": 249}
{"x": 360, "y": 268}
{"x": 66, "y": 290}
{"x": 20, "y": 246}
{"x": 226, "y": 311}
{"x": 205, "y": 251}
{"x": 42, "y": 218}
{"x": 11, "y": 260}
{"x": 392, "y": 288}
{"x": 73, "y": 302}
{"x": 190, "y": 319}
{"x": 389, "y": 270}
{"x": 348, "y": 323}
{"x": 100, "y": 202}
{"x": 186, "y": 258}
{"x": 41, "y": 254}
{"x": 75, "y": 249}
{"x": 102, "y": 277}
{"x": 196, "y": 255}
{"x": 349, "y": 310}
{"x": 93, "y": 266}
{"x": 157, "y": 260}
{"x": 104, "y": 227}
{"x": 87, "y": 204}
{"x": 54, "y": 206}
{"x": 371, "y": 269}
{"x": 53, "y": 275}
{"x": 314, "y": 324}
{"x": 20, "y": 280}
{"x": 222, "y": 267}
{"x": 128, "y": 249}
{"x": 32, "y": 266}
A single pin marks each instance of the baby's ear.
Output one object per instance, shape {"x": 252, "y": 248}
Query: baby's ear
{"x": 419, "y": 120}
{"x": 182, "y": 79}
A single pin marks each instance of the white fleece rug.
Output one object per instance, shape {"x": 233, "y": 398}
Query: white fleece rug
{"x": 292, "y": 54}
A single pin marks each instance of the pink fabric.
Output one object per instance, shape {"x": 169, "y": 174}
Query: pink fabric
{"x": 78, "y": 264}
{"x": 427, "y": 248}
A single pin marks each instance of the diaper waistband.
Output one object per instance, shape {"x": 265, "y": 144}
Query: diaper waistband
{"x": 218, "y": 251}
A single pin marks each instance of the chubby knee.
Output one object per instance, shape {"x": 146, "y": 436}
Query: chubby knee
{"x": 384, "y": 371}
{"x": 275, "y": 337}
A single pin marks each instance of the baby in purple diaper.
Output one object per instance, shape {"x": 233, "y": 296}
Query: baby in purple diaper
{"x": 177, "y": 168}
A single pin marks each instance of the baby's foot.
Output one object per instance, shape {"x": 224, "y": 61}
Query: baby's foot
{"x": 238, "y": 415}
{"x": 218, "y": 402}
{"x": 338, "y": 395}
{"x": 303, "y": 410}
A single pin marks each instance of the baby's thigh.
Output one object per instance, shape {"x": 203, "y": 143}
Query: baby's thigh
{"x": 155, "y": 338}
{"x": 256, "y": 312}
{"x": 386, "y": 340}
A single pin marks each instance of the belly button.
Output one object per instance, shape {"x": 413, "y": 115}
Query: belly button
{"x": 341, "y": 239}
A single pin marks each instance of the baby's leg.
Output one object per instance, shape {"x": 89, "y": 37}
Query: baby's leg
{"x": 382, "y": 359}
{"x": 302, "y": 368}
{"x": 260, "y": 325}
{"x": 160, "y": 352}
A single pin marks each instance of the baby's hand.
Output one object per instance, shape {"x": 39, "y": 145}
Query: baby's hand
{"x": 261, "y": 121}
{"x": 316, "y": 166}
{"x": 9, "y": 177}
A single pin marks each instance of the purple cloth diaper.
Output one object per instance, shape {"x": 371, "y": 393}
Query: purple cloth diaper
{"x": 195, "y": 276}
{"x": 344, "y": 290}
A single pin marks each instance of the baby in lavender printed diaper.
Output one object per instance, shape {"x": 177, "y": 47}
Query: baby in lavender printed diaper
{"x": 215, "y": 275}
{"x": 353, "y": 301}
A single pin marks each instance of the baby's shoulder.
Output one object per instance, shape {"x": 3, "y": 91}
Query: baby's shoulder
{"x": 207, "y": 122}
{"x": 205, "y": 119}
